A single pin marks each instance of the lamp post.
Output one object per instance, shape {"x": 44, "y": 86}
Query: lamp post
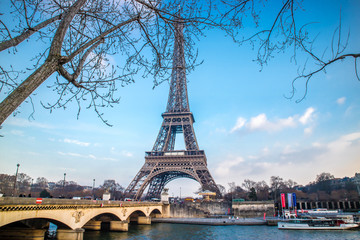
{"x": 32, "y": 181}
{"x": 64, "y": 185}
{"x": 93, "y": 189}
{"x": 17, "y": 170}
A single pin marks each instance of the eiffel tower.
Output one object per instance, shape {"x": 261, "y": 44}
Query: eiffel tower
{"x": 164, "y": 164}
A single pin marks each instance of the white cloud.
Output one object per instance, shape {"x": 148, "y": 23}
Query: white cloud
{"x": 307, "y": 117}
{"x": 73, "y": 154}
{"x": 86, "y": 156}
{"x": 258, "y": 122}
{"x": 341, "y": 100}
{"x": 308, "y": 131}
{"x": 126, "y": 153}
{"x": 109, "y": 159}
{"x": 262, "y": 123}
{"x": 77, "y": 142}
{"x": 240, "y": 122}
{"x": 21, "y": 122}
{"x": 317, "y": 145}
{"x": 17, "y": 133}
{"x": 288, "y": 150}
{"x": 224, "y": 167}
{"x": 340, "y": 157}
{"x": 344, "y": 142}
{"x": 122, "y": 153}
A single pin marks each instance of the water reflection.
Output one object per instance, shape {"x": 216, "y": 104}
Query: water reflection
{"x": 203, "y": 232}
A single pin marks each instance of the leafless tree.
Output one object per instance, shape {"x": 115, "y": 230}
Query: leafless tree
{"x": 290, "y": 184}
{"x": 324, "y": 176}
{"x": 23, "y": 183}
{"x": 248, "y": 184}
{"x": 276, "y": 183}
{"x": 42, "y": 182}
{"x": 81, "y": 38}
{"x": 287, "y": 32}
{"x": 6, "y": 184}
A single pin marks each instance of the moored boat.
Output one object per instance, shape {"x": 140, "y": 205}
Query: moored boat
{"x": 316, "y": 224}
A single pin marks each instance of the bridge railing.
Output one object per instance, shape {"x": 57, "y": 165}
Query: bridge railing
{"x": 57, "y": 201}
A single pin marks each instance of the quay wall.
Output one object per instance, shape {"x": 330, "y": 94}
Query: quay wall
{"x": 250, "y": 209}
{"x": 198, "y": 210}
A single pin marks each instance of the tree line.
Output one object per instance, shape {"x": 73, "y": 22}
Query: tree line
{"x": 324, "y": 188}
{"x": 26, "y": 187}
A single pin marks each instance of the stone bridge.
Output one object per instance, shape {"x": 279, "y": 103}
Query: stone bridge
{"x": 29, "y": 218}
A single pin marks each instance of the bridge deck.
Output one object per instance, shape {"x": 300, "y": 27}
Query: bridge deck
{"x": 15, "y": 203}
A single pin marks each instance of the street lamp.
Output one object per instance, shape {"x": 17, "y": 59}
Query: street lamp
{"x": 64, "y": 184}
{"x": 93, "y": 189}
{"x": 32, "y": 181}
{"x": 17, "y": 170}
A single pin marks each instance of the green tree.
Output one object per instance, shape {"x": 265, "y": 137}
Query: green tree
{"x": 45, "y": 194}
{"x": 252, "y": 194}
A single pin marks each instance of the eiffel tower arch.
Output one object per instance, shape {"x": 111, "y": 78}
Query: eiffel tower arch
{"x": 163, "y": 163}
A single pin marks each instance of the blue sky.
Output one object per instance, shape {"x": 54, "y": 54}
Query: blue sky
{"x": 246, "y": 126}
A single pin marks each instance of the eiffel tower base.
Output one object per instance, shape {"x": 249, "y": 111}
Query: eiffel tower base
{"x": 162, "y": 167}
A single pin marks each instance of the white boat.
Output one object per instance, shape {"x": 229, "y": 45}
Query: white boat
{"x": 316, "y": 224}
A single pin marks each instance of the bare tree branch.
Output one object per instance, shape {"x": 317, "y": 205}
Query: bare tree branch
{"x": 25, "y": 35}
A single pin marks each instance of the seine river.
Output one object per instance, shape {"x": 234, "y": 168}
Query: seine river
{"x": 187, "y": 231}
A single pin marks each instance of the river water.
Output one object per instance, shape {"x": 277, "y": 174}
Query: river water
{"x": 201, "y": 232}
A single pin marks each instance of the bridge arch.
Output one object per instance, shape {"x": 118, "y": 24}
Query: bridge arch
{"x": 38, "y": 223}
{"x": 88, "y": 215}
{"x": 155, "y": 213}
{"x": 134, "y": 215}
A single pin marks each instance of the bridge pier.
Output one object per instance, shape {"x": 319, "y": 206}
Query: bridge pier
{"x": 22, "y": 233}
{"x": 165, "y": 211}
{"x": 144, "y": 220}
{"x": 93, "y": 225}
{"x": 69, "y": 234}
{"x": 122, "y": 226}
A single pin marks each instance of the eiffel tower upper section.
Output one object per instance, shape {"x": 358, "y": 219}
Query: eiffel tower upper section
{"x": 177, "y": 117}
{"x": 178, "y": 98}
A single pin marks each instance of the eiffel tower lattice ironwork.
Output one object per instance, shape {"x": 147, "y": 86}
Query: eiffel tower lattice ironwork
{"x": 164, "y": 164}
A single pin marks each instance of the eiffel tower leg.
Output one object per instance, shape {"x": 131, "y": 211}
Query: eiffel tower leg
{"x": 207, "y": 182}
{"x": 156, "y": 186}
{"x": 132, "y": 190}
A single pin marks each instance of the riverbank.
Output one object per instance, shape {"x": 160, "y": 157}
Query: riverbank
{"x": 212, "y": 221}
